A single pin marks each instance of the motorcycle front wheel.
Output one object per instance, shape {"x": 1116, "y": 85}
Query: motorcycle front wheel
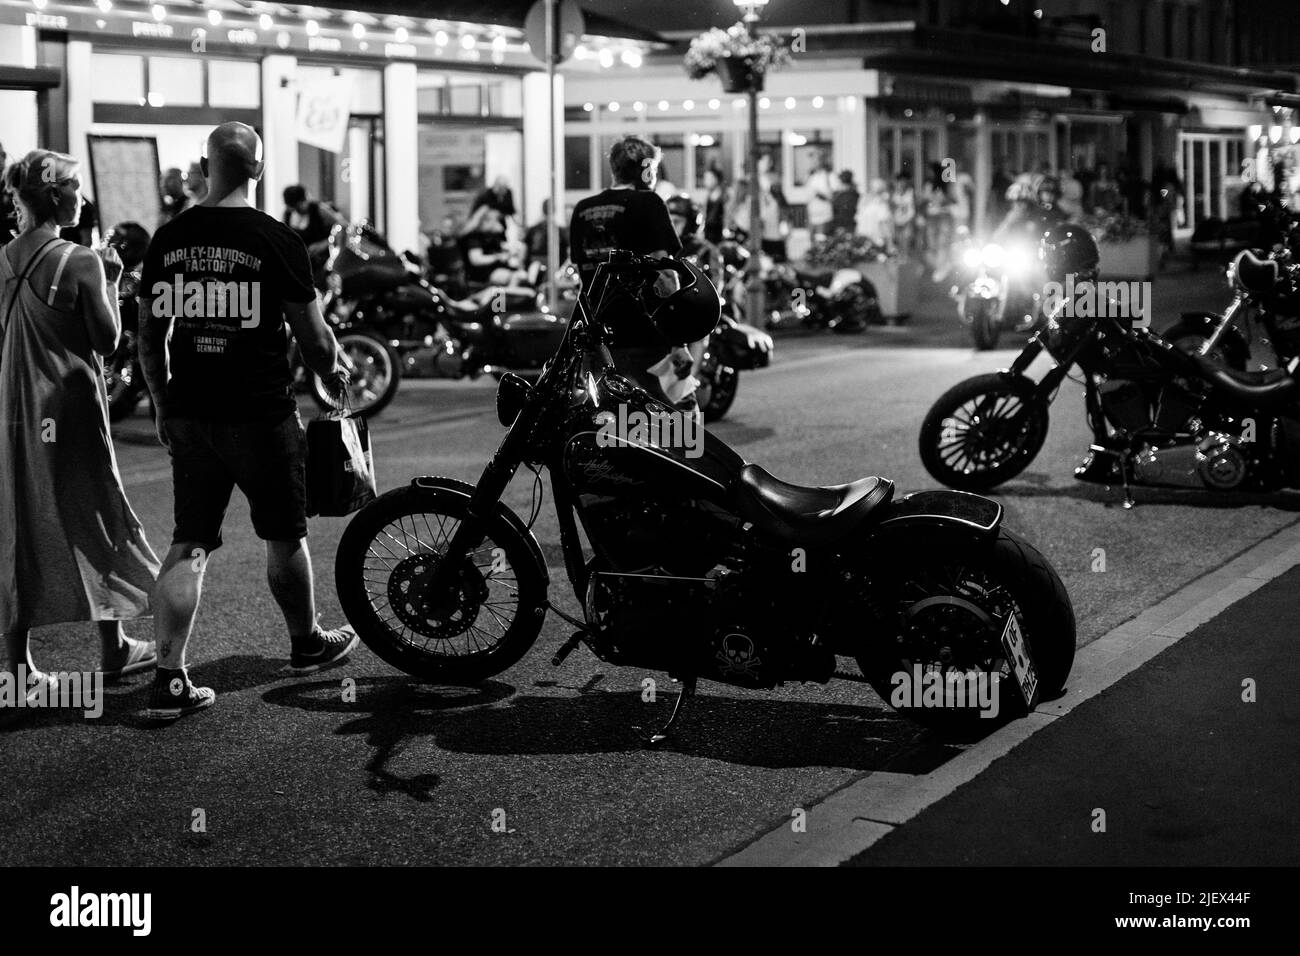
{"x": 983, "y": 431}
{"x": 717, "y": 392}
{"x": 377, "y": 372}
{"x": 485, "y": 622}
{"x": 943, "y": 602}
{"x": 984, "y": 327}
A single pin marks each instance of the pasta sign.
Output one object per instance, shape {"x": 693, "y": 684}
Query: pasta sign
{"x": 323, "y": 109}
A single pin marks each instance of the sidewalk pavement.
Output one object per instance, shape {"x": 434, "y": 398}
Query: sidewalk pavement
{"x": 1175, "y": 745}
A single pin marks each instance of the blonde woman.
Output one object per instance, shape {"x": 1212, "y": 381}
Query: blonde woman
{"x": 71, "y": 548}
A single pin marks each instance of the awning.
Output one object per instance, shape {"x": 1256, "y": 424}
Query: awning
{"x": 506, "y": 13}
{"x": 29, "y": 77}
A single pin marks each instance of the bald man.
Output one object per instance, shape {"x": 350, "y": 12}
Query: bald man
{"x": 220, "y": 281}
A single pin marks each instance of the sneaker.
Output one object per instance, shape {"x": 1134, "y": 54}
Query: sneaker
{"x": 174, "y": 696}
{"x": 322, "y": 649}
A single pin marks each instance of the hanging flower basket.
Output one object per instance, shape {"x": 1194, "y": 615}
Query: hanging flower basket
{"x": 740, "y": 60}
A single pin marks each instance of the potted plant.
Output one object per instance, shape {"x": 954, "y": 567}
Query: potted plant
{"x": 740, "y": 59}
{"x": 1128, "y": 247}
{"x": 896, "y": 282}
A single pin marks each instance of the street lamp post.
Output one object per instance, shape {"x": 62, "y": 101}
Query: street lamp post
{"x": 755, "y": 306}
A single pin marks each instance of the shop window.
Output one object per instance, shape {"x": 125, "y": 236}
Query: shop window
{"x": 117, "y": 78}
{"x": 367, "y": 87}
{"x": 175, "y": 81}
{"x": 466, "y": 100}
{"x": 577, "y": 162}
{"x": 235, "y": 84}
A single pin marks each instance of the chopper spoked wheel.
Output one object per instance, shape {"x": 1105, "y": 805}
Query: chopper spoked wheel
{"x": 982, "y": 432}
{"x": 478, "y": 625}
{"x": 375, "y": 377}
{"x": 943, "y": 605}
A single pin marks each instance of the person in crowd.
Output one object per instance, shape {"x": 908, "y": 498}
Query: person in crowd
{"x": 311, "y": 219}
{"x": 223, "y": 393}
{"x": 483, "y": 243}
{"x": 664, "y": 187}
{"x": 774, "y": 210}
{"x": 1166, "y": 194}
{"x": 1003, "y": 177}
{"x": 738, "y": 206}
{"x": 445, "y": 258}
{"x": 537, "y": 239}
{"x": 195, "y": 184}
{"x": 937, "y": 201}
{"x": 71, "y": 547}
{"x": 171, "y": 186}
{"x": 715, "y": 205}
{"x": 1103, "y": 194}
{"x": 498, "y": 196}
{"x": 8, "y": 212}
{"x": 821, "y": 188}
{"x": 1031, "y": 211}
{"x": 876, "y": 218}
{"x": 82, "y": 232}
{"x": 903, "y": 205}
{"x": 844, "y": 204}
{"x": 630, "y": 216}
{"x": 1072, "y": 193}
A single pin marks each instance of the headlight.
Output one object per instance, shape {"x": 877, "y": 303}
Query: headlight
{"x": 994, "y": 255}
{"x": 512, "y": 392}
{"x": 971, "y": 258}
{"x": 1018, "y": 261}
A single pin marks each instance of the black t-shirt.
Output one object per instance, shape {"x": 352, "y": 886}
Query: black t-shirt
{"x": 234, "y": 268}
{"x": 633, "y": 220}
{"x": 488, "y": 243}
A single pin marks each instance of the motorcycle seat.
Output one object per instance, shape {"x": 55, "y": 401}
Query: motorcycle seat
{"x": 801, "y": 515}
{"x": 1255, "y": 274}
{"x": 814, "y": 277}
{"x": 1261, "y": 388}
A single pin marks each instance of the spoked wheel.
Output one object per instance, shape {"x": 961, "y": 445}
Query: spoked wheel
{"x": 982, "y": 432}
{"x": 376, "y": 373}
{"x": 717, "y": 392}
{"x": 943, "y": 609}
{"x": 479, "y": 625}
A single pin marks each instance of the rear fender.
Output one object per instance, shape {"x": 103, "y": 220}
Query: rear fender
{"x": 441, "y": 483}
{"x": 971, "y": 516}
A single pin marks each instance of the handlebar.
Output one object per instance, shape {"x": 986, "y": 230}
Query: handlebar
{"x": 627, "y": 263}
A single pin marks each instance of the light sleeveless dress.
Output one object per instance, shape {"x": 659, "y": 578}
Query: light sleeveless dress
{"x": 71, "y": 548}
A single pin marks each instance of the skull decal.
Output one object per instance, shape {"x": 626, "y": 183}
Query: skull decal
{"x": 738, "y": 656}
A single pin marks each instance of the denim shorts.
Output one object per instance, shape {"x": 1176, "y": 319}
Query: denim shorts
{"x": 265, "y": 460}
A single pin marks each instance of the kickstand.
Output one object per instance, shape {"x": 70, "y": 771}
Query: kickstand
{"x": 665, "y": 732}
{"x": 1123, "y": 474}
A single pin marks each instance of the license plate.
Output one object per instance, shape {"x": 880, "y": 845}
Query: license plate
{"x": 1022, "y": 665}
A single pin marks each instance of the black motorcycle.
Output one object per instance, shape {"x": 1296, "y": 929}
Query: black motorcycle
{"x": 1160, "y": 416}
{"x": 703, "y": 565}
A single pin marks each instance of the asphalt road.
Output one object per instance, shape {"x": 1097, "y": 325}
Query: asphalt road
{"x": 286, "y": 772}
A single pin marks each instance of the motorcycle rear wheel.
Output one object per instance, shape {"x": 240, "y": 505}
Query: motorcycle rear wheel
{"x": 376, "y": 376}
{"x": 982, "y": 432}
{"x": 484, "y": 625}
{"x": 947, "y": 600}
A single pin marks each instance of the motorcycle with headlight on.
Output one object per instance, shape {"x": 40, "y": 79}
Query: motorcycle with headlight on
{"x": 1160, "y": 415}
{"x": 996, "y": 289}
{"x": 700, "y": 563}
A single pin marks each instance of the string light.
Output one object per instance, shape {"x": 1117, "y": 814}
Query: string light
{"x": 400, "y": 35}
{"x": 104, "y": 5}
{"x": 638, "y": 106}
{"x": 265, "y": 22}
{"x": 789, "y": 102}
{"x": 588, "y": 107}
{"x": 818, "y": 102}
{"x": 468, "y": 41}
{"x": 663, "y": 105}
{"x": 313, "y": 28}
{"x": 440, "y": 38}
{"x": 159, "y": 12}
{"x": 358, "y": 30}
{"x": 214, "y": 17}
{"x": 606, "y": 59}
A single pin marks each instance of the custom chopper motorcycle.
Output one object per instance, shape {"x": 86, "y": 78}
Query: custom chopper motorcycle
{"x": 703, "y": 565}
{"x": 1160, "y": 415}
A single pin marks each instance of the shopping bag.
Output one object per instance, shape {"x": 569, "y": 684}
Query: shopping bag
{"x": 340, "y": 465}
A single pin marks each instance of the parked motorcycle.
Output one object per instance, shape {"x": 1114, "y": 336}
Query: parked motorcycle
{"x": 391, "y": 320}
{"x": 1160, "y": 416}
{"x": 996, "y": 289}
{"x": 841, "y": 300}
{"x": 702, "y": 565}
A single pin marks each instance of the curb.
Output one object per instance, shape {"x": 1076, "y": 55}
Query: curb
{"x": 853, "y": 818}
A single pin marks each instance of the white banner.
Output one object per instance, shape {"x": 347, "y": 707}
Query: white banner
{"x": 323, "y": 110}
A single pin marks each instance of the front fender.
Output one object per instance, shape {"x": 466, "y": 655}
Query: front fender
{"x": 465, "y": 488}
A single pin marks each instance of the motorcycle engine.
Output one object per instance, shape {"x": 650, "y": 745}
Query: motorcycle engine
{"x": 1217, "y": 461}
{"x": 1131, "y": 409}
{"x": 712, "y": 628}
